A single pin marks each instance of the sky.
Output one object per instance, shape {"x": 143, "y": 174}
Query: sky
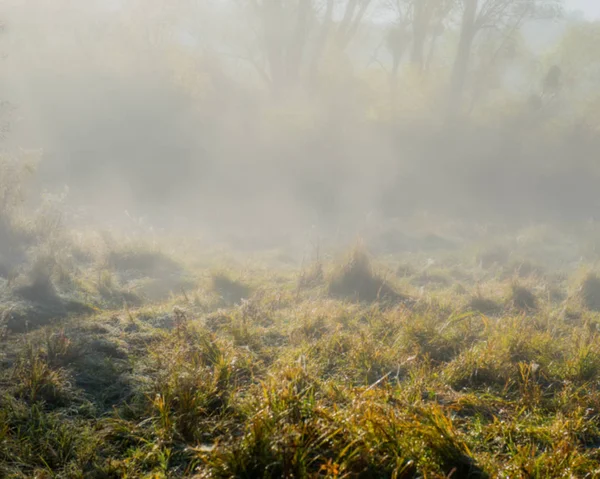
{"x": 590, "y": 7}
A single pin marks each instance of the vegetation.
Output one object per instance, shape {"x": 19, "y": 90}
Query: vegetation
{"x": 354, "y": 279}
{"x": 365, "y": 105}
{"x": 330, "y": 371}
{"x": 458, "y": 338}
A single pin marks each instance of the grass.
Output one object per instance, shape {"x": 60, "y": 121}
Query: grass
{"x": 328, "y": 371}
{"x": 484, "y": 305}
{"x": 590, "y": 292}
{"x": 355, "y": 279}
{"x": 232, "y": 291}
{"x": 37, "y": 283}
{"x": 142, "y": 260}
{"x": 312, "y": 276}
{"x": 522, "y": 298}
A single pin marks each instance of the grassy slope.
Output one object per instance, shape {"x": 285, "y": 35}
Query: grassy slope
{"x": 485, "y": 366}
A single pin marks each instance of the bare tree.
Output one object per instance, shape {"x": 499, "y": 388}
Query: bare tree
{"x": 418, "y": 22}
{"x": 293, "y": 36}
{"x": 502, "y": 15}
{"x": 428, "y": 18}
{"x": 416, "y": 31}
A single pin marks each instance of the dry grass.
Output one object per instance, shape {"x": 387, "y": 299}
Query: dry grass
{"x": 484, "y": 305}
{"x": 522, "y": 298}
{"x": 354, "y": 279}
{"x": 231, "y": 290}
{"x": 590, "y": 292}
{"x": 275, "y": 380}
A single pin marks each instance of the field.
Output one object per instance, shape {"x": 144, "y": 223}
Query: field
{"x": 402, "y": 354}
{"x": 299, "y": 239}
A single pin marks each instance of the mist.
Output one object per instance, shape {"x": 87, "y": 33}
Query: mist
{"x": 299, "y": 239}
{"x": 237, "y": 116}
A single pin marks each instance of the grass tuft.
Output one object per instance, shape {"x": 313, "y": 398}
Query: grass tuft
{"x": 355, "y": 280}
{"x": 231, "y": 290}
{"x": 270, "y": 375}
{"x": 590, "y": 292}
{"x": 142, "y": 261}
{"x": 312, "y": 276}
{"x": 522, "y": 298}
{"x": 484, "y": 305}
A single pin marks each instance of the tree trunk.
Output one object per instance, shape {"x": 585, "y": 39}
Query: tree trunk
{"x": 321, "y": 42}
{"x": 272, "y": 15}
{"x": 346, "y": 22}
{"x": 461, "y": 62}
{"x": 397, "y": 54}
{"x": 356, "y": 23}
{"x": 420, "y": 24}
{"x": 431, "y": 53}
{"x": 298, "y": 43}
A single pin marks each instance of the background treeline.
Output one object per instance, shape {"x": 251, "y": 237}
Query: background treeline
{"x": 292, "y": 113}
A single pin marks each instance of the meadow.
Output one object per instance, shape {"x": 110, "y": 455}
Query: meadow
{"x": 412, "y": 352}
{"x": 370, "y": 246}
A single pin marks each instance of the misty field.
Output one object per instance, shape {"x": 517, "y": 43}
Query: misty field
{"x": 299, "y": 239}
{"x": 399, "y": 355}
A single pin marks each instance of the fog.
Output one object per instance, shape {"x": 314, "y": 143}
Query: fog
{"x": 299, "y": 239}
{"x": 246, "y": 117}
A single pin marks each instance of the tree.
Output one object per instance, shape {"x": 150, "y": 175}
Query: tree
{"x": 428, "y": 18}
{"x": 419, "y": 21}
{"x": 505, "y": 16}
{"x": 418, "y": 26}
{"x": 293, "y": 35}
{"x": 574, "y": 72}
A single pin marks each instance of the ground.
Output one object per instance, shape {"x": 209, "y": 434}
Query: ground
{"x": 406, "y": 354}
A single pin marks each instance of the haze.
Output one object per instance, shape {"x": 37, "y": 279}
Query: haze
{"x": 299, "y": 239}
{"x": 590, "y": 7}
{"x": 228, "y": 116}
